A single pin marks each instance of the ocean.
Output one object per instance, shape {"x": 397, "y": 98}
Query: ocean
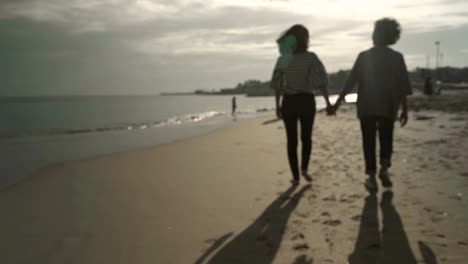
{"x": 38, "y": 131}
{"x": 44, "y": 116}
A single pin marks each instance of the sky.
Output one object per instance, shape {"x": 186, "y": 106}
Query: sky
{"x": 128, "y": 47}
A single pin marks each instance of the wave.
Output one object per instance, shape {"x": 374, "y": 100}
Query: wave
{"x": 172, "y": 121}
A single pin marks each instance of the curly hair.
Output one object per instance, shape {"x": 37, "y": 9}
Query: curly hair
{"x": 386, "y": 32}
{"x": 301, "y": 34}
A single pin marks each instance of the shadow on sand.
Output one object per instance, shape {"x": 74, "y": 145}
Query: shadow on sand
{"x": 260, "y": 241}
{"x": 271, "y": 121}
{"x": 392, "y": 246}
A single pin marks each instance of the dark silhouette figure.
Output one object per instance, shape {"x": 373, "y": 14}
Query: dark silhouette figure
{"x": 390, "y": 246}
{"x": 259, "y": 242}
{"x": 382, "y": 81}
{"x": 428, "y": 89}
{"x": 396, "y": 248}
{"x": 234, "y": 105}
{"x": 368, "y": 244}
{"x": 294, "y": 85}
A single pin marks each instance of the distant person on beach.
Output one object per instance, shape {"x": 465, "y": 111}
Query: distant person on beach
{"x": 383, "y": 84}
{"x": 297, "y": 74}
{"x": 234, "y": 105}
{"x": 428, "y": 86}
{"x": 438, "y": 88}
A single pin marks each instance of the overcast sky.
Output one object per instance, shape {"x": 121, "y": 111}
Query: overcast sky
{"x": 58, "y": 47}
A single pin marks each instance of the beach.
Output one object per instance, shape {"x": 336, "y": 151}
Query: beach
{"x": 225, "y": 197}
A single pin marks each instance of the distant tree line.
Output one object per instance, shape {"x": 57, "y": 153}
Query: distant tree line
{"x": 338, "y": 79}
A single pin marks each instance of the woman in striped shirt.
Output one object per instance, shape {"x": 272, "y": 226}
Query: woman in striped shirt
{"x": 296, "y": 84}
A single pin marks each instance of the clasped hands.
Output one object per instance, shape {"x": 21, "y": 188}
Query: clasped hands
{"x": 331, "y": 111}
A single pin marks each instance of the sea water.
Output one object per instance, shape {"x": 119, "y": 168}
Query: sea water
{"x": 37, "y": 131}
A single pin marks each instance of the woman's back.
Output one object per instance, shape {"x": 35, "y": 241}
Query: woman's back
{"x": 304, "y": 73}
{"x": 382, "y": 80}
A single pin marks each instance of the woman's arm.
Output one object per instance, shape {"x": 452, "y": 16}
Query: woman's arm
{"x": 324, "y": 91}
{"x": 277, "y": 103}
{"x": 277, "y": 82}
{"x": 406, "y": 90}
{"x": 349, "y": 85}
{"x": 318, "y": 75}
{"x": 404, "y": 111}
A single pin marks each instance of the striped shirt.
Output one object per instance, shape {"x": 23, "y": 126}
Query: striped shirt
{"x": 304, "y": 74}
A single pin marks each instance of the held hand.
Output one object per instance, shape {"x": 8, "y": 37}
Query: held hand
{"x": 403, "y": 118}
{"x": 278, "y": 112}
{"x": 331, "y": 110}
{"x": 337, "y": 105}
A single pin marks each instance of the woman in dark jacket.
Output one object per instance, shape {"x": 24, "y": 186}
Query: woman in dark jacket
{"x": 383, "y": 84}
{"x": 296, "y": 83}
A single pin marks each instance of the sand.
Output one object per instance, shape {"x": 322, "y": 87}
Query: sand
{"x": 225, "y": 197}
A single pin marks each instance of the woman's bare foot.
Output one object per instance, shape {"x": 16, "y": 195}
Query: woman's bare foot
{"x": 295, "y": 182}
{"x": 306, "y": 176}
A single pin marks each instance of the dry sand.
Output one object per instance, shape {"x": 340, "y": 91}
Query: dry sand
{"x": 225, "y": 197}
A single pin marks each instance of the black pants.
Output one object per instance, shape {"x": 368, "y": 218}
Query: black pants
{"x": 298, "y": 107}
{"x": 369, "y": 127}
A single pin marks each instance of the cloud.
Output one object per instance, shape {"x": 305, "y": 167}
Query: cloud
{"x": 97, "y": 46}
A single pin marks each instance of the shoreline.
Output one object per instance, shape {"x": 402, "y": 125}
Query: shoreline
{"x": 37, "y": 153}
{"x": 25, "y": 155}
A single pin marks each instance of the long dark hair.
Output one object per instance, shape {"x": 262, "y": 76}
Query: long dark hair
{"x": 302, "y": 37}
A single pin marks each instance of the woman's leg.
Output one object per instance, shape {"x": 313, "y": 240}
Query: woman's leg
{"x": 307, "y": 123}
{"x": 290, "y": 119}
{"x": 386, "y": 141}
{"x": 386, "y": 148}
{"x": 368, "y": 129}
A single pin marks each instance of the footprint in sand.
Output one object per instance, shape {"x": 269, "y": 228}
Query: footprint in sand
{"x": 427, "y": 231}
{"x": 329, "y": 242}
{"x": 297, "y": 222}
{"x": 331, "y": 222}
{"x": 455, "y": 197}
{"x": 298, "y": 236}
{"x": 356, "y": 218}
{"x": 302, "y": 214}
{"x": 345, "y": 200}
{"x": 301, "y": 246}
{"x": 303, "y": 259}
{"x": 331, "y": 198}
{"x": 437, "y": 219}
{"x": 327, "y": 214}
{"x": 423, "y": 166}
